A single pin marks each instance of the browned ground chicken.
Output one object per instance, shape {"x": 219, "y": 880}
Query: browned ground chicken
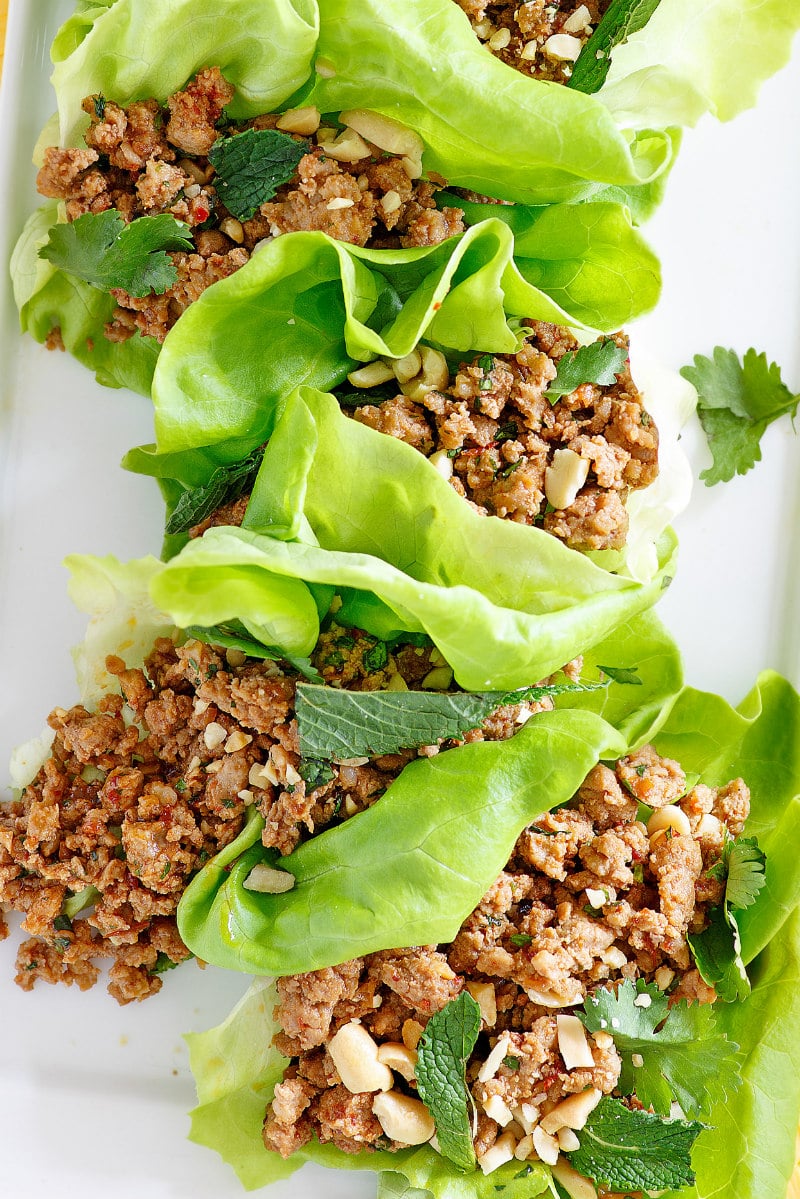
{"x": 492, "y": 432}
{"x": 590, "y": 897}
{"x": 147, "y": 159}
{"x": 136, "y": 796}
{"x": 537, "y": 38}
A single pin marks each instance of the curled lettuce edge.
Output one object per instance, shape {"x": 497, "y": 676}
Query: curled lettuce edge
{"x": 748, "y": 1152}
{"x": 338, "y": 504}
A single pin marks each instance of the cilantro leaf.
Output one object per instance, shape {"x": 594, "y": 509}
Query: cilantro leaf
{"x": 227, "y": 483}
{"x": 622, "y": 18}
{"x": 251, "y": 166}
{"x": 600, "y": 362}
{"x": 737, "y": 402}
{"x": 103, "y": 250}
{"x": 446, "y": 1044}
{"x": 334, "y": 723}
{"x": 717, "y": 955}
{"x": 626, "y": 1150}
{"x": 682, "y": 1055}
{"x": 745, "y": 865}
{"x": 717, "y": 950}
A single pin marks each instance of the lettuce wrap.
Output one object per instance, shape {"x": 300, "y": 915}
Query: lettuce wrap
{"x": 490, "y": 789}
{"x": 747, "y": 1152}
{"x": 485, "y": 126}
{"x": 306, "y": 308}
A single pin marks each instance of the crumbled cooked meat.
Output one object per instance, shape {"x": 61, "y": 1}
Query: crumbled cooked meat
{"x": 148, "y": 159}
{"x": 519, "y": 34}
{"x": 129, "y": 809}
{"x": 586, "y": 900}
{"x": 500, "y": 434}
{"x": 651, "y": 779}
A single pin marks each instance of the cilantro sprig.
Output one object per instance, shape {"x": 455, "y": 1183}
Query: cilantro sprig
{"x": 103, "y": 250}
{"x": 679, "y": 1053}
{"x": 622, "y": 18}
{"x": 443, "y": 1051}
{"x": 599, "y": 362}
{"x": 718, "y": 949}
{"x": 251, "y": 166}
{"x": 737, "y": 402}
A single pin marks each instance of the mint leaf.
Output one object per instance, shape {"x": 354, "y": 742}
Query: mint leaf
{"x": 446, "y": 1044}
{"x": 233, "y": 635}
{"x": 622, "y": 18}
{"x": 227, "y": 483}
{"x": 103, "y": 250}
{"x": 737, "y": 402}
{"x": 251, "y": 166}
{"x": 334, "y": 723}
{"x": 717, "y": 950}
{"x": 599, "y": 362}
{"x": 625, "y": 1150}
{"x": 683, "y": 1056}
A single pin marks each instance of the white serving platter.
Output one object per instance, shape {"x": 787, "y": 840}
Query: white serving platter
{"x": 93, "y": 1097}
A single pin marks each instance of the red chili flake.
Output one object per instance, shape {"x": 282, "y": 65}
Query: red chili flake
{"x": 201, "y": 213}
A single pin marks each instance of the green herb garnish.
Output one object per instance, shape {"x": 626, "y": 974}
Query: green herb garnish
{"x": 621, "y": 19}
{"x": 683, "y": 1056}
{"x": 625, "y": 1150}
{"x": 251, "y": 166}
{"x": 737, "y": 402}
{"x": 600, "y": 362}
{"x": 103, "y": 250}
{"x": 226, "y": 484}
{"x": 443, "y": 1051}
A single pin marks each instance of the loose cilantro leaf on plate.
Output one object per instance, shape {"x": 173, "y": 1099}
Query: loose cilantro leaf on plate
{"x": 622, "y": 18}
{"x": 227, "y": 483}
{"x": 683, "y": 1056}
{"x": 717, "y": 950}
{"x": 600, "y": 362}
{"x": 103, "y": 250}
{"x": 626, "y": 1150}
{"x": 334, "y": 723}
{"x": 446, "y": 1044}
{"x": 737, "y": 402}
{"x": 251, "y": 166}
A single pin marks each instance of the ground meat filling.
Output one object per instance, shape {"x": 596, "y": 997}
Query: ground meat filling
{"x": 148, "y": 159}
{"x": 538, "y": 38}
{"x": 590, "y": 897}
{"x": 493, "y": 433}
{"x": 136, "y": 796}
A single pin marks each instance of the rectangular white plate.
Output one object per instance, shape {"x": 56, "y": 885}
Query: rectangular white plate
{"x": 93, "y": 1098}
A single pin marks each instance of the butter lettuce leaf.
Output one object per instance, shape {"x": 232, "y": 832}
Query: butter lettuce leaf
{"x": 748, "y": 1148}
{"x": 338, "y": 503}
{"x": 422, "y": 835}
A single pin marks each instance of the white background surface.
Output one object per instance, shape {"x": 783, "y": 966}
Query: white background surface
{"x": 93, "y": 1098}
